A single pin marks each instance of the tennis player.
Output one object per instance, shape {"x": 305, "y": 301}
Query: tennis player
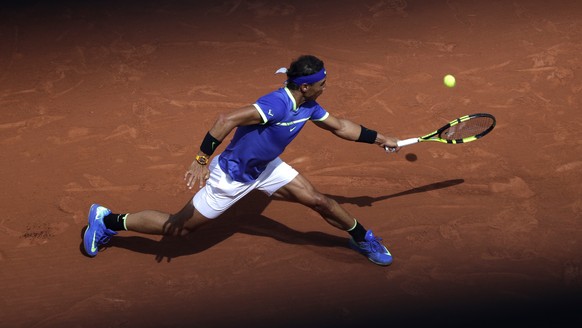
{"x": 251, "y": 161}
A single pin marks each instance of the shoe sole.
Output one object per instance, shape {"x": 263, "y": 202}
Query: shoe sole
{"x": 381, "y": 264}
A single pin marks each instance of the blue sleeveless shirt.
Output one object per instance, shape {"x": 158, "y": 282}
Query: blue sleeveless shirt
{"x": 254, "y": 146}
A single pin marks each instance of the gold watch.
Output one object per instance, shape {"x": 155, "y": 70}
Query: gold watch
{"x": 202, "y": 159}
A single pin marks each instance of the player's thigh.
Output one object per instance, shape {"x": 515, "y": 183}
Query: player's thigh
{"x": 300, "y": 190}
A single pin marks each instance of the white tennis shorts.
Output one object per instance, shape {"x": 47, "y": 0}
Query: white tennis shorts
{"x": 221, "y": 192}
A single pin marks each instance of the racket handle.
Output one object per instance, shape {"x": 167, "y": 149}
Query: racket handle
{"x": 402, "y": 143}
{"x": 406, "y": 142}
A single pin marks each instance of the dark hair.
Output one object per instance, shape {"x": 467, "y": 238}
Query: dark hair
{"x": 302, "y": 66}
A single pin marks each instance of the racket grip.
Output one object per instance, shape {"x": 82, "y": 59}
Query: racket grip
{"x": 402, "y": 143}
{"x": 406, "y": 142}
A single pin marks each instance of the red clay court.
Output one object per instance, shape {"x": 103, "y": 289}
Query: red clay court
{"x": 107, "y": 101}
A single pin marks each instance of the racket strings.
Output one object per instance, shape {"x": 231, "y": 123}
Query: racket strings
{"x": 466, "y": 129}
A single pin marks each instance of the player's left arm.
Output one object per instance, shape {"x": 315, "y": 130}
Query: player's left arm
{"x": 349, "y": 130}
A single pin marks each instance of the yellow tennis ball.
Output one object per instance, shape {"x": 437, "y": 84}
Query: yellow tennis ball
{"x": 449, "y": 80}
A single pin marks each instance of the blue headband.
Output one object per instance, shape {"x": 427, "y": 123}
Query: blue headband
{"x": 310, "y": 79}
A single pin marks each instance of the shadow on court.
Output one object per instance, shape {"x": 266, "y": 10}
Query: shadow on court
{"x": 246, "y": 217}
{"x": 363, "y": 201}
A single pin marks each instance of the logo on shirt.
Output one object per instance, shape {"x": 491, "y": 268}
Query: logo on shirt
{"x": 293, "y": 128}
{"x": 270, "y": 112}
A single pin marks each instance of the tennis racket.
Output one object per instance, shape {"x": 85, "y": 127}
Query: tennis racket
{"x": 461, "y": 130}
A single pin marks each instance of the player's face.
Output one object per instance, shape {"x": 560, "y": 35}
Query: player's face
{"x": 315, "y": 90}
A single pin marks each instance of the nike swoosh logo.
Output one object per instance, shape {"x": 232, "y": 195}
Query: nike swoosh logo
{"x": 270, "y": 113}
{"x": 213, "y": 145}
{"x": 293, "y": 128}
{"x": 93, "y": 248}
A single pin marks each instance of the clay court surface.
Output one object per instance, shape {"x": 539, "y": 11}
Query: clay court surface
{"x": 107, "y": 102}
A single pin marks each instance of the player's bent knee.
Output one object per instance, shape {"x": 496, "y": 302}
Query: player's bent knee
{"x": 321, "y": 203}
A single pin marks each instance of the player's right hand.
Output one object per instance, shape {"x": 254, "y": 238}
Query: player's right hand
{"x": 390, "y": 144}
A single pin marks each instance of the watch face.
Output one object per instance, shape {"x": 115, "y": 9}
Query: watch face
{"x": 202, "y": 160}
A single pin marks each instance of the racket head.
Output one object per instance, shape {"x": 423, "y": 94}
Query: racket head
{"x": 463, "y": 129}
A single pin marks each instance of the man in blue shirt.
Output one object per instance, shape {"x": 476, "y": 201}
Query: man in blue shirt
{"x": 251, "y": 161}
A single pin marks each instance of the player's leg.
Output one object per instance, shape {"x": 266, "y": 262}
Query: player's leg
{"x": 302, "y": 191}
{"x": 103, "y": 224}
{"x": 217, "y": 196}
{"x": 159, "y": 223}
{"x": 281, "y": 180}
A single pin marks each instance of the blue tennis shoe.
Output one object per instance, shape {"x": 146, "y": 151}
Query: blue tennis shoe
{"x": 96, "y": 233}
{"x": 373, "y": 249}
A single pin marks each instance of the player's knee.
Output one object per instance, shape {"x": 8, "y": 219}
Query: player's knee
{"x": 184, "y": 231}
{"x": 321, "y": 203}
{"x": 177, "y": 225}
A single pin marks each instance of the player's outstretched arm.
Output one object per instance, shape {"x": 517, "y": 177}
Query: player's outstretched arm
{"x": 349, "y": 130}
